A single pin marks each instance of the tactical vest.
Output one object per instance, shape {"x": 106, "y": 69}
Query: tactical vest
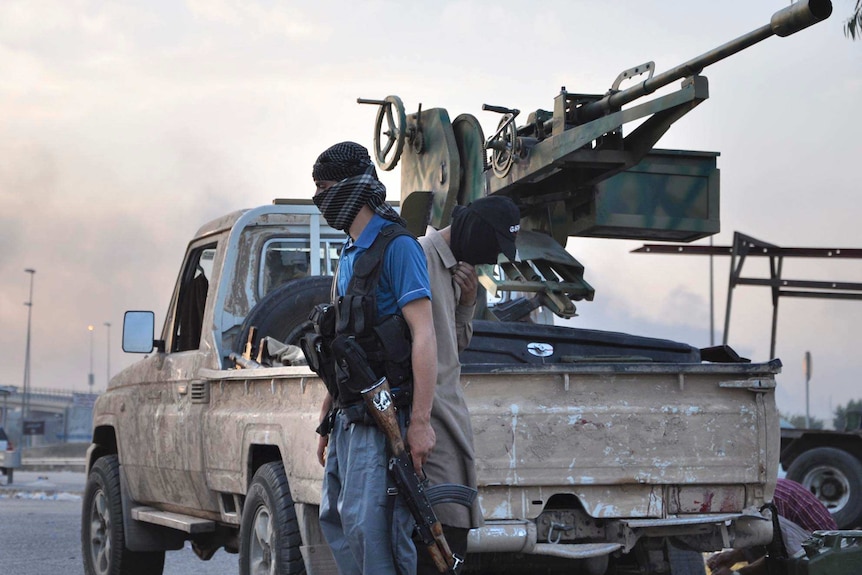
{"x": 386, "y": 340}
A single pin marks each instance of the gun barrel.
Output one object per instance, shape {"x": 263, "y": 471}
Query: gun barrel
{"x": 785, "y": 22}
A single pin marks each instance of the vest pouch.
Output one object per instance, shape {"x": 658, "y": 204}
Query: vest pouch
{"x": 322, "y": 317}
{"x": 394, "y": 338}
{"x": 355, "y": 314}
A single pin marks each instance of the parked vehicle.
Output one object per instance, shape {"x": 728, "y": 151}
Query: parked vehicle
{"x": 10, "y": 458}
{"x": 829, "y": 463}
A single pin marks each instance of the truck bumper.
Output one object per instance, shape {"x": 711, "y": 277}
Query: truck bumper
{"x": 700, "y": 533}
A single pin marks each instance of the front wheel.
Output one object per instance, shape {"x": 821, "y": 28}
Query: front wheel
{"x": 269, "y": 532}
{"x": 103, "y": 543}
{"x": 835, "y": 477}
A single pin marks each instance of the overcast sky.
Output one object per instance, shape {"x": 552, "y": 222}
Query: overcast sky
{"x": 126, "y": 125}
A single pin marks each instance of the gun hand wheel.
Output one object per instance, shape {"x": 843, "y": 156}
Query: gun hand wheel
{"x": 504, "y": 150}
{"x": 389, "y": 144}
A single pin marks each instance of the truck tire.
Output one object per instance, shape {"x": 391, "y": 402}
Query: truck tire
{"x": 283, "y": 313}
{"x": 269, "y": 532}
{"x": 102, "y": 535}
{"x": 835, "y": 477}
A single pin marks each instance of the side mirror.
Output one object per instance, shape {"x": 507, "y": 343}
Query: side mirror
{"x": 138, "y": 330}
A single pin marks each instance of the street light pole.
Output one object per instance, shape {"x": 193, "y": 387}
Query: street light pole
{"x": 108, "y": 371}
{"x": 91, "y": 379}
{"x": 25, "y": 408}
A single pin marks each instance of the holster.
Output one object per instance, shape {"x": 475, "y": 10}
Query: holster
{"x": 317, "y": 346}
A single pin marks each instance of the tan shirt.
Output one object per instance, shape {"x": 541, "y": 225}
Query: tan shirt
{"x": 452, "y": 460}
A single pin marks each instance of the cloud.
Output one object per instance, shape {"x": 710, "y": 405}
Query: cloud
{"x": 270, "y": 19}
{"x": 125, "y": 126}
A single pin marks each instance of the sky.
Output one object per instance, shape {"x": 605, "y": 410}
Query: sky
{"x": 126, "y": 125}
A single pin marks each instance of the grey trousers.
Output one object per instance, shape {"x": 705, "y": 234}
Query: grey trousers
{"x": 368, "y": 530}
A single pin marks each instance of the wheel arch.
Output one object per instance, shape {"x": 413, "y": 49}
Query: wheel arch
{"x": 260, "y": 454}
{"x": 104, "y": 443}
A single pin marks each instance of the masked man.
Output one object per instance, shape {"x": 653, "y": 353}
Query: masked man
{"x": 388, "y": 311}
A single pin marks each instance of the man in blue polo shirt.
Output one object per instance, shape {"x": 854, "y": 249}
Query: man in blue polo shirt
{"x": 369, "y": 530}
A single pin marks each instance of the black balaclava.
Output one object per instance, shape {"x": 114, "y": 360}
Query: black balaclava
{"x": 348, "y": 164}
{"x": 484, "y": 229}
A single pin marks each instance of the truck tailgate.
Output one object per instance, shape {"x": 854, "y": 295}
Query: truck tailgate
{"x": 628, "y": 440}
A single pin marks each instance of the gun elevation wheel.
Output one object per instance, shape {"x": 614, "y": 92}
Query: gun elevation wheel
{"x": 504, "y": 146}
{"x": 389, "y": 143}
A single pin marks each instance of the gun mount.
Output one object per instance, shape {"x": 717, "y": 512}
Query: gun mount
{"x": 571, "y": 170}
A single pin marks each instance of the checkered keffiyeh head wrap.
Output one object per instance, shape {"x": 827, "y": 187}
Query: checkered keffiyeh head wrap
{"x": 348, "y": 164}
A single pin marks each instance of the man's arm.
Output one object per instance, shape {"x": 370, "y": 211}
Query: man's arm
{"x": 420, "y": 436}
{"x": 465, "y": 277}
{"x": 323, "y": 440}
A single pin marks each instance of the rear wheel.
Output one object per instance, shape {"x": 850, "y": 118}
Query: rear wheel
{"x": 102, "y": 536}
{"x": 835, "y": 477}
{"x": 269, "y": 532}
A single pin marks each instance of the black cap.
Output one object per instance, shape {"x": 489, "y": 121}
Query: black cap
{"x": 501, "y": 213}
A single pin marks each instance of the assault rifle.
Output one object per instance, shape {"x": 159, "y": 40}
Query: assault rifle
{"x": 378, "y": 398}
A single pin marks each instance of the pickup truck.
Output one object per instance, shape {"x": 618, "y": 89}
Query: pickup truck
{"x": 596, "y": 451}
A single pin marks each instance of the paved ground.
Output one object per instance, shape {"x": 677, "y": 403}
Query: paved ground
{"x": 43, "y": 484}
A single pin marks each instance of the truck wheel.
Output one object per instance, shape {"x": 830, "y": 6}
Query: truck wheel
{"x": 835, "y": 477}
{"x": 269, "y": 532}
{"x": 283, "y": 313}
{"x": 102, "y": 537}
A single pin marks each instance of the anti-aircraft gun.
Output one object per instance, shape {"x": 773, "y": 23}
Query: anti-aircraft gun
{"x": 571, "y": 170}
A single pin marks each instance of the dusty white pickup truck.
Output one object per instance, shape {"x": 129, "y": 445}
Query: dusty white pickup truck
{"x": 597, "y": 451}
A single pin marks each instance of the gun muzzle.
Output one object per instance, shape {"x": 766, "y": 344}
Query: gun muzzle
{"x": 799, "y": 16}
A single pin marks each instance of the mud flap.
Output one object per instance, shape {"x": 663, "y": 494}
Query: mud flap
{"x": 318, "y": 560}
{"x": 142, "y": 536}
{"x": 317, "y": 556}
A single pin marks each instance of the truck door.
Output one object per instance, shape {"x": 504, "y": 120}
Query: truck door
{"x": 169, "y": 411}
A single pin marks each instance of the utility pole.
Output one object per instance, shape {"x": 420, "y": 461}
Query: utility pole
{"x": 91, "y": 379}
{"x": 108, "y": 370}
{"x": 25, "y": 408}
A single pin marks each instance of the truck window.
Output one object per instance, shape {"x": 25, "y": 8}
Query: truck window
{"x": 289, "y": 259}
{"x": 192, "y": 300}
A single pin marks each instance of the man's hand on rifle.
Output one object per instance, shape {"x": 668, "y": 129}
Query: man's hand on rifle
{"x": 420, "y": 441}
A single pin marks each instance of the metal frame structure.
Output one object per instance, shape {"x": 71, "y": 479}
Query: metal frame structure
{"x": 745, "y": 246}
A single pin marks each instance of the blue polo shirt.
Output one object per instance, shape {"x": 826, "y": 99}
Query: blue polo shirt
{"x": 404, "y": 276}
